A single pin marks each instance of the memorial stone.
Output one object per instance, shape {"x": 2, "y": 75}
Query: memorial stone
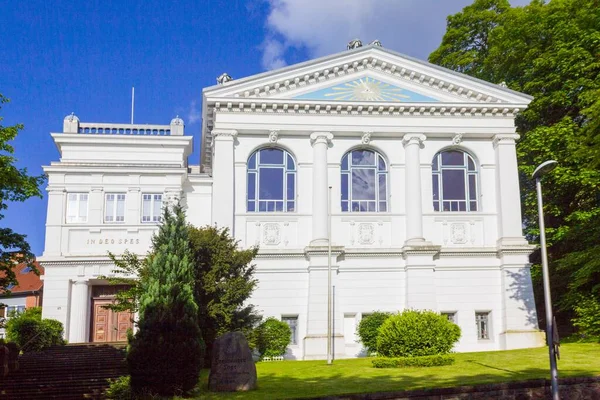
{"x": 232, "y": 366}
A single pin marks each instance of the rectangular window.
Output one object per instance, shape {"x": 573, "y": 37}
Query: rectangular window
{"x": 293, "y": 324}
{"x": 114, "y": 207}
{"x": 483, "y": 325}
{"x": 77, "y": 207}
{"x": 450, "y": 315}
{"x": 151, "y": 207}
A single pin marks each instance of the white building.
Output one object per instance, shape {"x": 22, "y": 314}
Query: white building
{"x": 425, "y": 202}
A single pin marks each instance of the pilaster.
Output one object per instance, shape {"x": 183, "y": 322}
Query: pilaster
{"x": 508, "y": 198}
{"x": 320, "y": 143}
{"x": 414, "y": 208}
{"x": 420, "y": 277}
{"x": 96, "y": 206}
{"x": 223, "y": 172}
{"x": 55, "y": 217}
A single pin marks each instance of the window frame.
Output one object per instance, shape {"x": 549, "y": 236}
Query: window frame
{"x": 115, "y": 207}
{"x": 287, "y": 171}
{"x": 78, "y": 219}
{"x": 488, "y": 321}
{"x": 153, "y": 218}
{"x": 294, "y": 335}
{"x": 451, "y": 315}
{"x": 378, "y": 172}
{"x": 438, "y": 174}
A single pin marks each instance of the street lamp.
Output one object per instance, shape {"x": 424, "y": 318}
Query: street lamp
{"x": 539, "y": 172}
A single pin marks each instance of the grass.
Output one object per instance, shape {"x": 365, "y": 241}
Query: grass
{"x": 305, "y": 379}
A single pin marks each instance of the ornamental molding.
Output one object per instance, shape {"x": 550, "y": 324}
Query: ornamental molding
{"x": 505, "y": 139}
{"x": 366, "y": 138}
{"x": 457, "y": 139}
{"x": 390, "y": 65}
{"x": 314, "y": 107}
{"x": 273, "y": 136}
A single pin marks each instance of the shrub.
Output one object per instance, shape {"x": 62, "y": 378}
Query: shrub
{"x": 587, "y": 319}
{"x": 424, "y": 361}
{"x": 32, "y": 333}
{"x": 273, "y": 337}
{"x": 119, "y": 389}
{"x": 368, "y": 327}
{"x": 414, "y": 333}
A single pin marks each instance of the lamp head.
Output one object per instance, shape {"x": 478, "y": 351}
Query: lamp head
{"x": 544, "y": 168}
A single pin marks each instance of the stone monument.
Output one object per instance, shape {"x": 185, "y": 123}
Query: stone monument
{"x": 232, "y": 366}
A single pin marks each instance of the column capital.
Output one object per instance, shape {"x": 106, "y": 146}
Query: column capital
{"x": 321, "y": 137}
{"x": 501, "y": 139}
{"x": 413, "y": 138}
{"x": 55, "y": 190}
{"x": 223, "y": 133}
{"x": 81, "y": 281}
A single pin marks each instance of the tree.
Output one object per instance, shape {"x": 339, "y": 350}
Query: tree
{"x": 166, "y": 353}
{"x": 550, "y": 51}
{"x": 224, "y": 282}
{"x": 15, "y": 185}
{"x": 129, "y": 271}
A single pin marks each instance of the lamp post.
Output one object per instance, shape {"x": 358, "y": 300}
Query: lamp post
{"x": 539, "y": 172}
{"x": 329, "y": 339}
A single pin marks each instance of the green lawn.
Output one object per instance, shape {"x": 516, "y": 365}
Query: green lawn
{"x": 302, "y": 379}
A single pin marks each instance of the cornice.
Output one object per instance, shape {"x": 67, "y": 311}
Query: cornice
{"x": 302, "y": 78}
{"x": 317, "y": 107}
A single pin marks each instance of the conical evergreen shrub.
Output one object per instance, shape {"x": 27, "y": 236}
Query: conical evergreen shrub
{"x": 166, "y": 353}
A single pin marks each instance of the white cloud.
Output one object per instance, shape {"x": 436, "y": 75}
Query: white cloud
{"x": 273, "y": 51}
{"x": 413, "y": 27}
{"x": 194, "y": 113}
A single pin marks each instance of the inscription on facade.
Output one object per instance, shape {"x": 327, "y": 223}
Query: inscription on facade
{"x": 93, "y": 242}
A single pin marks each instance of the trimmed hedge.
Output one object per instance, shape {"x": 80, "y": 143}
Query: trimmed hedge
{"x": 414, "y": 333}
{"x": 273, "y": 337}
{"x": 425, "y": 361}
{"x": 368, "y": 329}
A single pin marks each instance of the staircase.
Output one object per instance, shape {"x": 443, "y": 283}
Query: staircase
{"x": 70, "y": 372}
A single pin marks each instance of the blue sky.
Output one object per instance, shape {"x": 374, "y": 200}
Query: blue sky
{"x": 59, "y": 57}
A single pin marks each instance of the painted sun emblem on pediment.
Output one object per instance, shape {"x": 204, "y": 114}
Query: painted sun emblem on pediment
{"x": 366, "y": 89}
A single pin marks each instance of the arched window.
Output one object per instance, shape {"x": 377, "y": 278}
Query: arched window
{"x": 364, "y": 182}
{"x": 454, "y": 179}
{"x": 271, "y": 181}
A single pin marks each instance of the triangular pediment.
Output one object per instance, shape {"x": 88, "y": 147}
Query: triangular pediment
{"x": 366, "y": 88}
{"x": 367, "y": 74}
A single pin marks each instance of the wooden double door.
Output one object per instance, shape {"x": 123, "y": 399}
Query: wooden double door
{"x": 108, "y": 325}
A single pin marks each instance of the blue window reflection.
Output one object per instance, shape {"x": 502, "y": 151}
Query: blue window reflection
{"x": 364, "y": 182}
{"x": 454, "y": 179}
{"x": 271, "y": 181}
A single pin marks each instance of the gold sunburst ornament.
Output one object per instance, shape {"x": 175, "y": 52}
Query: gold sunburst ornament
{"x": 366, "y": 89}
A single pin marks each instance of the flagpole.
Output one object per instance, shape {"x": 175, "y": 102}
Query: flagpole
{"x": 132, "y": 100}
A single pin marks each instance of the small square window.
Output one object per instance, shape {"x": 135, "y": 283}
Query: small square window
{"x": 293, "y": 324}
{"x": 483, "y": 325}
{"x": 451, "y": 315}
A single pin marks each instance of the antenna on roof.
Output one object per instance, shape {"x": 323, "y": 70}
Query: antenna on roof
{"x": 132, "y": 99}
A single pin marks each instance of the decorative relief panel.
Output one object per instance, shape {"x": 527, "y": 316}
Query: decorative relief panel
{"x": 271, "y": 233}
{"x": 267, "y": 234}
{"x": 363, "y": 233}
{"x": 366, "y": 233}
{"x": 460, "y": 233}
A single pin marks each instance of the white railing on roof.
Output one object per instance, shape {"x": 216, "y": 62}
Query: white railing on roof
{"x": 73, "y": 125}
